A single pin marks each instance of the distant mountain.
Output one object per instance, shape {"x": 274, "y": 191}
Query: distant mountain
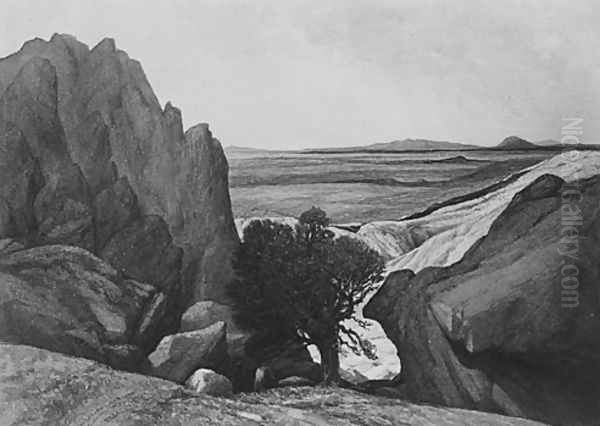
{"x": 515, "y": 142}
{"x": 402, "y": 145}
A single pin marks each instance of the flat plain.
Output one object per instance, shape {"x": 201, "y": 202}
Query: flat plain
{"x": 363, "y": 187}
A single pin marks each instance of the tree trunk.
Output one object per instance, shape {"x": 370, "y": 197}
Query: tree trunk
{"x": 330, "y": 362}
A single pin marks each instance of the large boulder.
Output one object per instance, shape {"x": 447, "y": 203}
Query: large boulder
{"x": 207, "y": 381}
{"x": 516, "y": 322}
{"x": 42, "y": 387}
{"x": 177, "y": 356}
{"x": 207, "y": 312}
{"x": 65, "y": 299}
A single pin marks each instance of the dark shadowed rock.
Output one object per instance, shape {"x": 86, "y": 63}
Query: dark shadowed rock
{"x": 177, "y": 356}
{"x": 124, "y": 357}
{"x": 150, "y": 327}
{"x": 42, "y": 387}
{"x": 65, "y": 299}
{"x": 114, "y": 208}
{"x": 497, "y": 331}
{"x": 20, "y": 181}
{"x": 286, "y": 367}
{"x": 281, "y": 360}
{"x": 145, "y": 252}
{"x": 63, "y": 210}
{"x": 93, "y": 153}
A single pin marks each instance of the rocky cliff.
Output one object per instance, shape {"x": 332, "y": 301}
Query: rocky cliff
{"x": 91, "y": 126}
{"x": 496, "y": 330}
{"x": 89, "y": 159}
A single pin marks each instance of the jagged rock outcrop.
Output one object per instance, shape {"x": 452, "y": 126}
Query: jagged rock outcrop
{"x": 42, "y": 387}
{"x": 206, "y": 231}
{"x": 65, "y": 299}
{"x": 498, "y": 331}
{"x": 109, "y": 155}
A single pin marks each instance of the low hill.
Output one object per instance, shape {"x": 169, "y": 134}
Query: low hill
{"x": 515, "y": 142}
{"x": 400, "y": 145}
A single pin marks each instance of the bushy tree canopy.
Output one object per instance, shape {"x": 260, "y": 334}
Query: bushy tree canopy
{"x": 304, "y": 282}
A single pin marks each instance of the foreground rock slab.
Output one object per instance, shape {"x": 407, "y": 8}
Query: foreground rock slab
{"x": 42, "y": 387}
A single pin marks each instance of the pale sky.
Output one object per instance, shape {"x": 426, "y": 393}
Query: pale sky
{"x": 316, "y": 73}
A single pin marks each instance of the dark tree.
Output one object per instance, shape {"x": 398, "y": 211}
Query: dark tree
{"x": 305, "y": 282}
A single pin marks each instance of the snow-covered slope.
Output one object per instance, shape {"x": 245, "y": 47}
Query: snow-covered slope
{"x": 454, "y": 229}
